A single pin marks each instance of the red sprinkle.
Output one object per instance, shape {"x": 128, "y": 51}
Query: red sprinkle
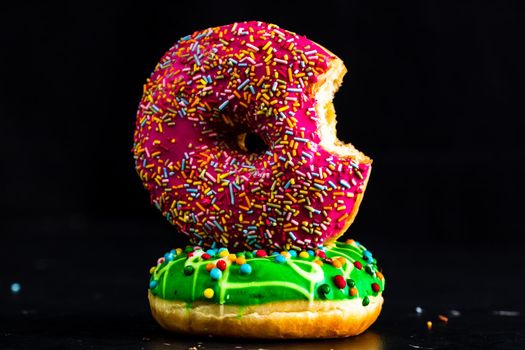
{"x": 320, "y": 254}
{"x": 261, "y": 253}
{"x": 221, "y": 265}
{"x": 375, "y": 287}
{"x": 358, "y": 265}
{"x": 205, "y": 256}
{"x": 189, "y": 255}
{"x": 340, "y": 281}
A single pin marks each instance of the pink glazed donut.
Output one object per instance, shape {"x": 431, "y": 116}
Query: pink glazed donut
{"x": 211, "y": 90}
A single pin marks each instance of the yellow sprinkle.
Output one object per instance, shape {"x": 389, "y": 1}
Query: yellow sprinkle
{"x": 232, "y": 257}
{"x": 304, "y": 254}
{"x": 429, "y": 325}
{"x": 208, "y": 293}
{"x": 240, "y": 260}
{"x": 224, "y": 253}
{"x": 152, "y": 270}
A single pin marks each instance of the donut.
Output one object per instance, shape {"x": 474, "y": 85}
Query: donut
{"x": 211, "y": 93}
{"x": 328, "y": 292}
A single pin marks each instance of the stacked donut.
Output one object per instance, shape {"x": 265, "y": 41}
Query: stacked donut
{"x": 262, "y": 223}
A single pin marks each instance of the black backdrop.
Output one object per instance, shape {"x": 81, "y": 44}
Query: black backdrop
{"x": 434, "y": 94}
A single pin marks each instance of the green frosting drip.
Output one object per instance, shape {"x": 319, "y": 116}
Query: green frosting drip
{"x": 297, "y": 278}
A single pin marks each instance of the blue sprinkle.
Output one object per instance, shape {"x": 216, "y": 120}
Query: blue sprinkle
{"x": 292, "y": 236}
{"x": 211, "y": 252}
{"x": 280, "y": 259}
{"x": 293, "y": 253}
{"x": 15, "y": 288}
{"x": 224, "y": 104}
{"x": 344, "y": 183}
{"x": 152, "y": 284}
{"x": 275, "y": 253}
{"x": 215, "y": 274}
{"x": 243, "y": 84}
{"x": 367, "y": 255}
{"x": 168, "y": 257}
{"x": 332, "y": 184}
{"x": 222, "y": 249}
{"x": 245, "y": 269}
{"x": 310, "y": 252}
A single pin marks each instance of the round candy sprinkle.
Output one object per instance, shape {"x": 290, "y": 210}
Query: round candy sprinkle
{"x": 240, "y": 260}
{"x": 380, "y": 275}
{"x": 178, "y": 251}
{"x": 285, "y": 254}
{"x": 342, "y": 260}
{"x": 249, "y": 255}
{"x": 353, "y": 291}
{"x": 369, "y": 270}
{"x": 210, "y": 266}
{"x": 310, "y": 252}
{"x": 292, "y": 253}
{"x": 211, "y": 252}
{"x": 320, "y": 254}
{"x": 245, "y": 269}
{"x": 350, "y": 241}
{"x": 208, "y": 293}
{"x": 358, "y": 265}
{"x": 339, "y": 281}
{"x": 323, "y": 290}
{"x": 224, "y": 253}
{"x": 188, "y": 249}
{"x": 152, "y": 269}
{"x": 152, "y": 284}
{"x": 168, "y": 257}
{"x": 221, "y": 265}
{"x": 16, "y": 288}
{"x": 375, "y": 287}
{"x": 160, "y": 261}
{"x": 232, "y": 257}
{"x": 337, "y": 264}
{"x": 261, "y": 253}
{"x": 215, "y": 274}
{"x": 304, "y": 255}
{"x": 189, "y": 270}
{"x": 366, "y": 301}
{"x": 206, "y": 256}
{"x": 280, "y": 259}
{"x": 350, "y": 282}
{"x": 223, "y": 249}
{"x": 319, "y": 262}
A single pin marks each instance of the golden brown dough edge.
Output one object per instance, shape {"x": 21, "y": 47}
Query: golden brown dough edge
{"x": 288, "y": 319}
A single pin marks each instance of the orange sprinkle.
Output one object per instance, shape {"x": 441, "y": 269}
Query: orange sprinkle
{"x": 443, "y": 318}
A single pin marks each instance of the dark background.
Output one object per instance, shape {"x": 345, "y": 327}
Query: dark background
{"x": 434, "y": 94}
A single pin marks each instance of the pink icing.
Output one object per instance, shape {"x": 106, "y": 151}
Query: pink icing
{"x": 207, "y": 89}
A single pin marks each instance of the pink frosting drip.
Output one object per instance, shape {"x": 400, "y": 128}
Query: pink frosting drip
{"x": 214, "y": 85}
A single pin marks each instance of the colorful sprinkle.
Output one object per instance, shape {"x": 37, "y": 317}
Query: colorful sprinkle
{"x": 208, "y": 293}
{"x": 280, "y": 259}
{"x": 189, "y": 270}
{"x": 339, "y": 281}
{"x": 215, "y": 274}
{"x": 245, "y": 269}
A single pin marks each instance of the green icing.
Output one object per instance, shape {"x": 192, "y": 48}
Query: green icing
{"x": 296, "y": 279}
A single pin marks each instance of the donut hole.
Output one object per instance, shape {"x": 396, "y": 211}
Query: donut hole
{"x": 251, "y": 142}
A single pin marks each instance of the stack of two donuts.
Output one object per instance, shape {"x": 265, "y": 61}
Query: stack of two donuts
{"x": 264, "y": 259}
